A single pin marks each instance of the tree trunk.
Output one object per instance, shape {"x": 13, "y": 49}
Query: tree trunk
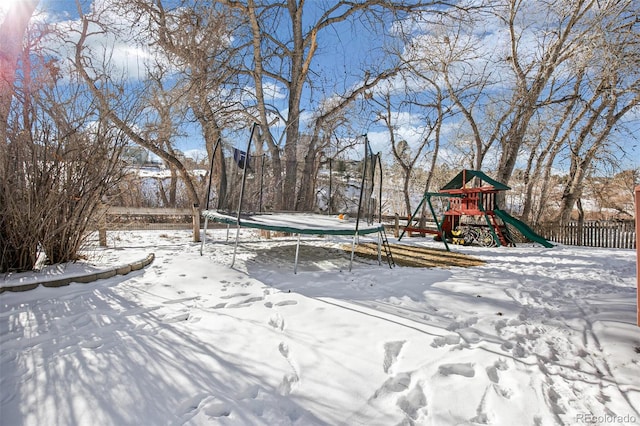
{"x": 306, "y": 192}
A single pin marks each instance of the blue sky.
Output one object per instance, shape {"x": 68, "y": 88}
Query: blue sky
{"x": 337, "y": 60}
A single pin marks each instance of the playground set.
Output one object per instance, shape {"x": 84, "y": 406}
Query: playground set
{"x": 477, "y": 201}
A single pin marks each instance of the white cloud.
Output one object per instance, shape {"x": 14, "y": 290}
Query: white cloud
{"x": 274, "y": 91}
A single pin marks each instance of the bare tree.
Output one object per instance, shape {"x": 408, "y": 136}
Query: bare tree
{"x": 612, "y": 61}
{"x": 532, "y": 96}
{"x": 109, "y": 96}
{"x": 457, "y": 68}
{"x": 404, "y": 154}
{"x": 197, "y": 40}
{"x": 284, "y": 47}
{"x": 325, "y": 123}
{"x": 59, "y": 161}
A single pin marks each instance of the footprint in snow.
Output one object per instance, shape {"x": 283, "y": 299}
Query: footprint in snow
{"x": 251, "y": 392}
{"x": 460, "y": 369}
{"x": 185, "y": 299}
{"x": 451, "y": 339}
{"x": 288, "y": 380}
{"x": 391, "y": 352}
{"x": 519, "y": 351}
{"x": 395, "y": 384}
{"x": 192, "y": 403}
{"x": 176, "y": 317}
{"x": 413, "y": 403}
{"x": 284, "y": 349}
{"x": 276, "y": 321}
{"x": 230, "y": 296}
{"x": 217, "y": 408}
{"x": 209, "y": 405}
{"x": 492, "y": 373}
{"x": 492, "y": 370}
{"x": 456, "y": 325}
{"x": 94, "y": 343}
{"x": 245, "y": 303}
{"x": 470, "y": 336}
{"x": 286, "y": 385}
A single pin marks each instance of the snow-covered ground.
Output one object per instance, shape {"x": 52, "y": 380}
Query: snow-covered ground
{"x": 535, "y": 337}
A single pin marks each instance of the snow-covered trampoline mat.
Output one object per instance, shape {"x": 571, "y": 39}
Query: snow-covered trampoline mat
{"x": 296, "y": 223}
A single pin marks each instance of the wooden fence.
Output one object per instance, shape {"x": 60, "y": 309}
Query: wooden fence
{"x": 606, "y": 234}
{"x": 596, "y": 233}
{"x": 129, "y": 218}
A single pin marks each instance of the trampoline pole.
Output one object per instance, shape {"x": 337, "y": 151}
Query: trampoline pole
{"x": 235, "y": 247}
{"x": 295, "y": 265}
{"x": 379, "y": 155}
{"x": 204, "y": 234}
{"x": 353, "y": 250}
{"x": 330, "y": 178}
{"x": 380, "y": 248}
{"x": 244, "y": 180}
{"x": 261, "y": 182}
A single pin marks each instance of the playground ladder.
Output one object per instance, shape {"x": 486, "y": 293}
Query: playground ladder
{"x": 387, "y": 248}
{"x": 496, "y": 228}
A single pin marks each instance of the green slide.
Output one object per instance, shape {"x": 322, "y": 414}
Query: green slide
{"x": 522, "y": 227}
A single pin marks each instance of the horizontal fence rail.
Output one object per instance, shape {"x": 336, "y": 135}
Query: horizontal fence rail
{"x": 130, "y": 218}
{"x": 596, "y": 233}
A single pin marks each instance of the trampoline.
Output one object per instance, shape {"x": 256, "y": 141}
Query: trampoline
{"x": 302, "y": 223}
{"x": 295, "y": 223}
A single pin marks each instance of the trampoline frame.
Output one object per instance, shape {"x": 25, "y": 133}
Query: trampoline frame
{"x": 249, "y": 221}
{"x": 253, "y": 221}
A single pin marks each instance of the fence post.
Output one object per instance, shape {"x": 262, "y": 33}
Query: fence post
{"x": 637, "y": 194}
{"x": 396, "y": 226}
{"x": 196, "y": 223}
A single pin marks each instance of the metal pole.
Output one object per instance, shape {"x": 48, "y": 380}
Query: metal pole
{"x": 261, "y": 182}
{"x": 204, "y": 235}
{"x": 330, "y": 179}
{"x": 244, "y": 179}
{"x": 438, "y": 225}
{"x": 412, "y": 217}
{"x": 353, "y": 250}
{"x": 295, "y": 265}
{"x": 364, "y": 176}
{"x": 213, "y": 156}
{"x": 380, "y": 188}
{"x": 637, "y": 194}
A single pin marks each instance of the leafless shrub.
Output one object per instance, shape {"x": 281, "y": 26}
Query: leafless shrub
{"x": 58, "y": 159}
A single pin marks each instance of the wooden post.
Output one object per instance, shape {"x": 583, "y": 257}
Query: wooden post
{"x": 396, "y": 228}
{"x": 196, "y": 223}
{"x": 637, "y": 193}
